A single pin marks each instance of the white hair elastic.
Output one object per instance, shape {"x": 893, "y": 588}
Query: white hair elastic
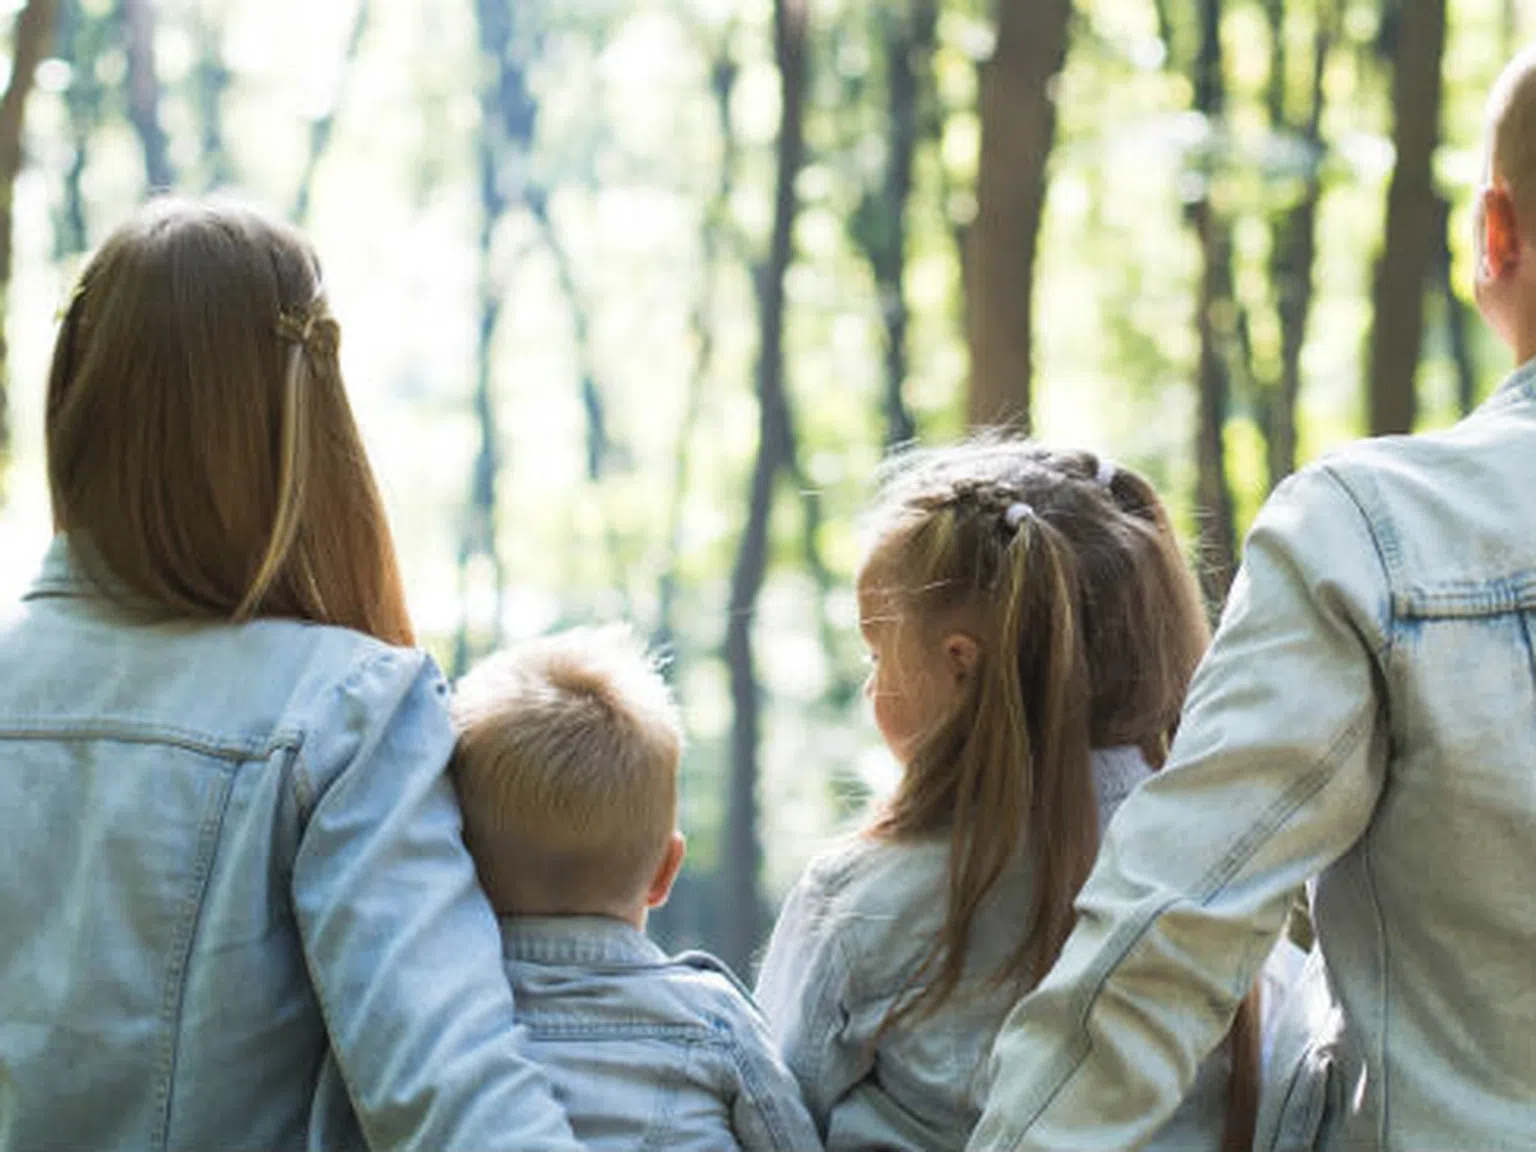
{"x": 1016, "y": 514}
{"x": 1107, "y": 471}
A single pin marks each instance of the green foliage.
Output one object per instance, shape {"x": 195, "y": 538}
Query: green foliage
{"x": 629, "y": 150}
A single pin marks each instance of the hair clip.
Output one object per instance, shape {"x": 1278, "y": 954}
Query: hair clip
{"x": 1016, "y": 514}
{"x": 296, "y": 327}
{"x": 1108, "y": 469}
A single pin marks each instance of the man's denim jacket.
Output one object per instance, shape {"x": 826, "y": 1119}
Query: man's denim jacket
{"x": 235, "y": 896}
{"x": 647, "y": 1051}
{"x": 850, "y": 937}
{"x": 1367, "y": 714}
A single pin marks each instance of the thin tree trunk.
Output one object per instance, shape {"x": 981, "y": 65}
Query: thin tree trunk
{"x": 32, "y": 34}
{"x": 1018, "y": 125}
{"x": 81, "y": 37}
{"x": 1408, "y": 251}
{"x": 1458, "y": 315}
{"x": 508, "y": 114}
{"x": 212, "y": 80}
{"x": 581, "y": 327}
{"x": 323, "y": 127}
{"x": 704, "y": 321}
{"x": 1295, "y": 256}
{"x": 743, "y": 852}
{"x": 138, "y": 20}
{"x": 908, "y": 38}
{"x": 1215, "y": 320}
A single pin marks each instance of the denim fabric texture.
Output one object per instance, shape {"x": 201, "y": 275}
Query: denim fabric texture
{"x": 648, "y": 1051}
{"x": 852, "y": 933}
{"x": 235, "y": 901}
{"x": 1366, "y": 715}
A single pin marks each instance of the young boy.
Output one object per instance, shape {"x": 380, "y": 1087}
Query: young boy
{"x": 566, "y": 769}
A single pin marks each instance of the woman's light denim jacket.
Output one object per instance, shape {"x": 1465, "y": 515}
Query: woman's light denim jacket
{"x": 1367, "y": 712}
{"x": 851, "y": 936}
{"x": 647, "y": 1051}
{"x": 233, "y": 894}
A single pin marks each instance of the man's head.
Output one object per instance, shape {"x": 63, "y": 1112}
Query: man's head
{"x": 566, "y": 768}
{"x": 1506, "y": 209}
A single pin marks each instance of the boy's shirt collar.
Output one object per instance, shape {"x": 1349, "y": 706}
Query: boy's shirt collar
{"x": 596, "y": 940}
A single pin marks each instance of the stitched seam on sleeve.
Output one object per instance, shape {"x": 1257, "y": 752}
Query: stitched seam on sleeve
{"x": 1243, "y": 850}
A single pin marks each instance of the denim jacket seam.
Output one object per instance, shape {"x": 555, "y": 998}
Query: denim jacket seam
{"x": 306, "y": 791}
{"x": 1246, "y": 846}
{"x": 1387, "y": 556}
{"x": 173, "y": 996}
{"x": 1383, "y": 945}
{"x": 142, "y": 732}
{"x": 761, "y": 1099}
{"x": 1243, "y": 850}
{"x": 383, "y": 714}
{"x": 545, "y": 1026}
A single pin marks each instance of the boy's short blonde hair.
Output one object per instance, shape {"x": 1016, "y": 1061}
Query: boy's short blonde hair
{"x": 566, "y": 768}
{"x": 1512, "y": 133}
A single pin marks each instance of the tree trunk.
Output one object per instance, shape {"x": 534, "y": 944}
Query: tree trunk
{"x": 508, "y": 116}
{"x": 212, "y": 80}
{"x": 138, "y": 19}
{"x": 1216, "y": 321}
{"x": 1018, "y": 124}
{"x": 907, "y": 33}
{"x": 1459, "y": 316}
{"x": 323, "y": 126}
{"x": 33, "y": 32}
{"x": 1295, "y": 252}
{"x": 1402, "y": 273}
{"x": 743, "y": 853}
{"x": 81, "y": 36}
{"x": 704, "y": 322}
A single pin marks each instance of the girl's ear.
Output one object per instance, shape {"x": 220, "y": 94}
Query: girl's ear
{"x": 961, "y": 652}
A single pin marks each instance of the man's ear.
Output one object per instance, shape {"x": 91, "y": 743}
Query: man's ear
{"x": 666, "y": 872}
{"x": 961, "y": 653}
{"x": 1501, "y": 232}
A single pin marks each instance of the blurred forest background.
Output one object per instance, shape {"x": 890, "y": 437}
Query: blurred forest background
{"x": 635, "y": 293}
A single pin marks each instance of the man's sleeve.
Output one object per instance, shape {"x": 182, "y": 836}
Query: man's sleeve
{"x": 1275, "y": 774}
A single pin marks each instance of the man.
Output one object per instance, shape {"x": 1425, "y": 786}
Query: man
{"x": 1366, "y": 715}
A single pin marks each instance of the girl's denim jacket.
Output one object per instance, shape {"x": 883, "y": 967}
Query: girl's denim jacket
{"x": 1366, "y": 715}
{"x": 236, "y": 910}
{"x": 851, "y": 935}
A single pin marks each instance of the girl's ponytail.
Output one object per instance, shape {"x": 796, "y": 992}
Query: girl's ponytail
{"x": 1043, "y": 630}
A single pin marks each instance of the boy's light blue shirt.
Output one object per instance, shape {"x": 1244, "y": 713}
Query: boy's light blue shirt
{"x": 1366, "y": 715}
{"x": 648, "y": 1051}
{"x": 234, "y": 900}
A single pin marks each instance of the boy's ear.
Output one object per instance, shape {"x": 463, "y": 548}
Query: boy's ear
{"x": 961, "y": 652}
{"x": 666, "y": 872}
{"x": 1501, "y": 232}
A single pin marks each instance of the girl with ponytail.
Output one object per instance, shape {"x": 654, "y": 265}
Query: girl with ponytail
{"x": 1032, "y": 629}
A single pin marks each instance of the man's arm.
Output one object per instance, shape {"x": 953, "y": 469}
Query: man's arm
{"x": 1275, "y": 774}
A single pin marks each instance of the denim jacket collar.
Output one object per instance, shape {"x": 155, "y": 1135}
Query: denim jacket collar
{"x": 578, "y": 940}
{"x": 59, "y": 575}
{"x": 70, "y": 568}
{"x": 1518, "y": 385}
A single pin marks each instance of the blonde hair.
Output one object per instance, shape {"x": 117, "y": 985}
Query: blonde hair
{"x": 202, "y": 455}
{"x": 1066, "y": 570}
{"x": 1512, "y": 132}
{"x": 566, "y": 768}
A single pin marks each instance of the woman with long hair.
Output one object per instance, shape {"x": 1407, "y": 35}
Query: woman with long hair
{"x": 237, "y": 910}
